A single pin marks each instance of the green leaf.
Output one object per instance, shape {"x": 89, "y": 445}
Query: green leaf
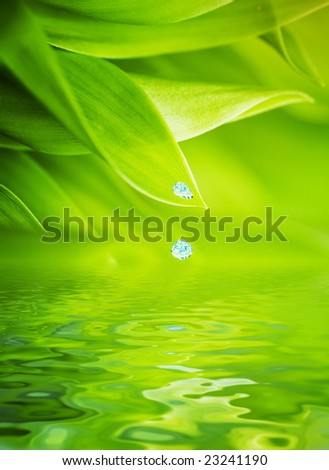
{"x": 117, "y": 120}
{"x": 86, "y": 184}
{"x": 27, "y": 121}
{"x": 191, "y": 109}
{"x": 134, "y": 138}
{"x": 224, "y": 64}
{"x": 128, "y": 129}
{"x": 9, "y": 143}
{"x": 226, "y": 25}
{"x": 288, "y": 46}
{"x": 14, "y": 214}
{"x": 24, "y": 51}
{"x": 34, "y": 184}
{"x": 93, "y": 184}
{"x": 136, "y": 11}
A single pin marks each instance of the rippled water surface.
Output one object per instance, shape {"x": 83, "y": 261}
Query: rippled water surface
{"x": 209, "y": 360}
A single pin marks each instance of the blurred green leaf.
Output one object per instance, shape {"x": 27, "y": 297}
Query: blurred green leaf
{"x": 9, "y": 143}
{"x": 136, "y": 11}
{"x": 94, "y": 185}
{"x": 14, "y": 214}
{"x": 226, "y": 25}
{"x": 289, "y": 47}
{"x": 217, "y": 65}
{"x": 34, "y": 184}
{"x": 84, "y": 183}
{"x": 191, "y": 109}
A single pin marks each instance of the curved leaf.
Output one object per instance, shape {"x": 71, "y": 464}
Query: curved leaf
{"x": 191, "y": 109}
{"x": 26, "y": 121}
{"x": 287, "y": 45}
{"x": 120, "y": 123}
{"x": 14, "y": 214}
{"x": 133, "y": 135}
{"x": 24, "y": 51}
{"x": 134, "y": 138}
{"x": 226, "y": 25}
{"x": 136, "y": 11}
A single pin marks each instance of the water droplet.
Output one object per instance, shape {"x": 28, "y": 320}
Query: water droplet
{"x": 181, "y": 250}
{"x": 175, "y": 328}
{"x": 182, "y": 190}
{"x": 38, "y": 394}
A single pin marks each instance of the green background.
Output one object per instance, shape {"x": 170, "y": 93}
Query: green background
{"x": 121, "y": 346}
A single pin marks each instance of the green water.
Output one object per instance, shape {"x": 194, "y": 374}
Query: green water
{"x": 193, "y": 360}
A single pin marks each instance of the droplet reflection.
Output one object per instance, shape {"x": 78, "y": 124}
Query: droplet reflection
{"x": 181, "y": 250}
